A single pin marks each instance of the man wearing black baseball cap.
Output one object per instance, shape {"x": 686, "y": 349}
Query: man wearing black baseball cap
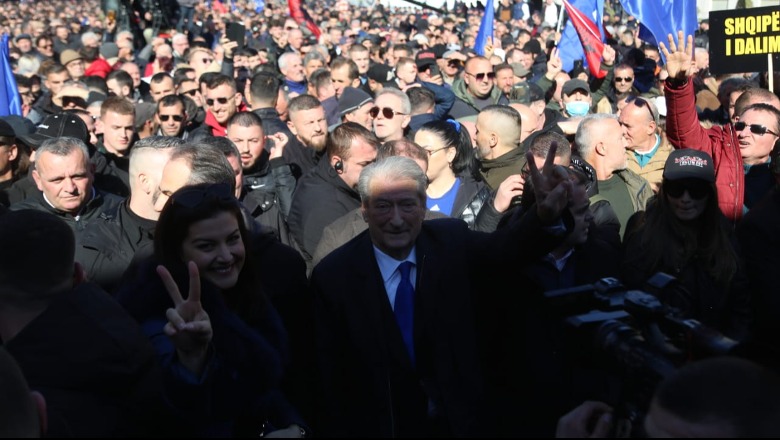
{"x": 354, "y": 106}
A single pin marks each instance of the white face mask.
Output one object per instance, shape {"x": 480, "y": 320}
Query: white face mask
{"x": 577, "y": 108}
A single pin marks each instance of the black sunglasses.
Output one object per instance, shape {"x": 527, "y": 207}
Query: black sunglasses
{"x": 697, "y": 189}
{"x": 192, "y": 196}
{"x": 641, "y": 102}
{"x": 481, "y": 76}
{"x": 387, "y": 112}
{"x": 626, "y": 79}
{"x": 177, "y": 118}
{"x": 222, "y": 101}
{"x": 190, "y": 92}
{"x": 754, "y": 128}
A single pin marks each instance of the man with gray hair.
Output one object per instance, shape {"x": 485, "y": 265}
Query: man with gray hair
{"x": 404, "y": 289}
{"x": 291, "y": 66}
{"x": 391, "y": 113}
{"x": 601, "y": 143}
{"x": 64, "y": 177}
{"x": 109, "y": 242}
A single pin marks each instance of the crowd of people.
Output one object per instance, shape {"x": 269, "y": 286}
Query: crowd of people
{"x": 220, "y": 220}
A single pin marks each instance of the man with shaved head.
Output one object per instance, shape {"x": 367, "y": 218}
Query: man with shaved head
{"x": 530, "y": 120}
{"x": 498, "y": 140}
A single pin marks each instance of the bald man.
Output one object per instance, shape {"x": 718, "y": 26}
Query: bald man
{"x": 499, "y": 129}
{"x": 530, "y": 120}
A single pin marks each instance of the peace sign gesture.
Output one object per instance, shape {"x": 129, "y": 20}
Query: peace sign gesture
{"x": 551, "y": 186}
{"x": 188, "y": 327}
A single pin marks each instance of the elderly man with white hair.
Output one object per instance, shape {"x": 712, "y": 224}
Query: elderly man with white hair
{"x": 291, "y": 66}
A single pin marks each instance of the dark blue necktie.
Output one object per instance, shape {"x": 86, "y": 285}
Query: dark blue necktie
{"x": 404, "y": 307}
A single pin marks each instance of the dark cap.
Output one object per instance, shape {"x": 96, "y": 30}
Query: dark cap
{"x": 22, "y": 37}
{"x": 144, "y": 111}
{"x": 425, "y": 58}
{"x": 526, "y": 93}
{"x": 20, "y": 126}
{"x": 352, "y": 99}
{"x": 6, "y": 130}
{"x": 380, "y": 73}
{"x": 533, "y": 46}
{"x": 55, "y": 126}
{"x": 575, "y": 84}
{"x": 689, "y": 164}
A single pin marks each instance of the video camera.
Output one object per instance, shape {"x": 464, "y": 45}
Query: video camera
{"x": 634, "y": 336}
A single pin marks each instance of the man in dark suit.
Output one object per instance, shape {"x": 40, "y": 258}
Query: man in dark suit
{"x": 396, "y": 308}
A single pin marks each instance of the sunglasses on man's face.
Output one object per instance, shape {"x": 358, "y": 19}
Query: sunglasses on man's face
{"x": 387, "y": 112}
{"x": 481, "y": 76}
{"x": 627, "y": 79}
{"x": 177, "y": 118}
{"x": 754, "y": 128}
{"x": 192, "y": 92}
{"x": 223, "y": 101}
{"x": 697, "y": 189}
{"x": 207, "y": 60}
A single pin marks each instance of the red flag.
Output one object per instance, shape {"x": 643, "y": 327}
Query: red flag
{"x": 589, "y": 37}
{"x": 219, "y": 7}
{"x": 302, "y": 17}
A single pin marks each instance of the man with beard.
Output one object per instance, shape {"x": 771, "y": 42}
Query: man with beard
{"x": 329, "y": 190}
{"x": 171, "y": 116}
{"x": 309, "y": 125}
{"x": 268, "y": 183}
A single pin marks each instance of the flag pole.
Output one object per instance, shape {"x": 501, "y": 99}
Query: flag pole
{"x": 560, "y": 19}
{"x": 770, "y": 73}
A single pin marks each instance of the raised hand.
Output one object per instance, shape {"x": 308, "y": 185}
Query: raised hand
{"x": 679, "y": 57}
{"x": 489, "y": 48}
{"x": 608, "y": 55}
{"x": 551, "y": 186}
{"x": 279, "y": 142}
{"x": 554, "y": 65}
{"x": 189, "y": 326}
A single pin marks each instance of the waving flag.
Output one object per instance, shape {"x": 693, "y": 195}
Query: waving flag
{"x": 485, "y": 29}
{"x": 302, "y": 17}
{"x": 663, "y": 17}
{"x": 571, "y": 47}
{"x": 10, "y": 101}
{"x": 259, "y": 6}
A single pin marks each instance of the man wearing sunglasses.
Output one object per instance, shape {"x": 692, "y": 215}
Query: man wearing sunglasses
{"x": 391, "y": 114}
{"x": 740, "y": 151}
{"x": 171, "y": 117}
{"x": 222, "y": 102}
{"x": 476, "y": 89}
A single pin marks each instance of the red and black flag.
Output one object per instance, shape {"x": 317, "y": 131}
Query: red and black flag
{"x": 589, "y": 37}
{"x": 302, "y": 17}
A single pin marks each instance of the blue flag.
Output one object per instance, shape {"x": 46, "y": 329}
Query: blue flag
{"x": 10, "y": 101}
{"x": 259, "y": 6}
{"x": 663, "y": 17}
{"x": 570, "y": 47}
{"x": 485, "y": 29}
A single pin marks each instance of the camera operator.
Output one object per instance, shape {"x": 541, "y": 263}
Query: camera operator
{"x": 717, "y": 397}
